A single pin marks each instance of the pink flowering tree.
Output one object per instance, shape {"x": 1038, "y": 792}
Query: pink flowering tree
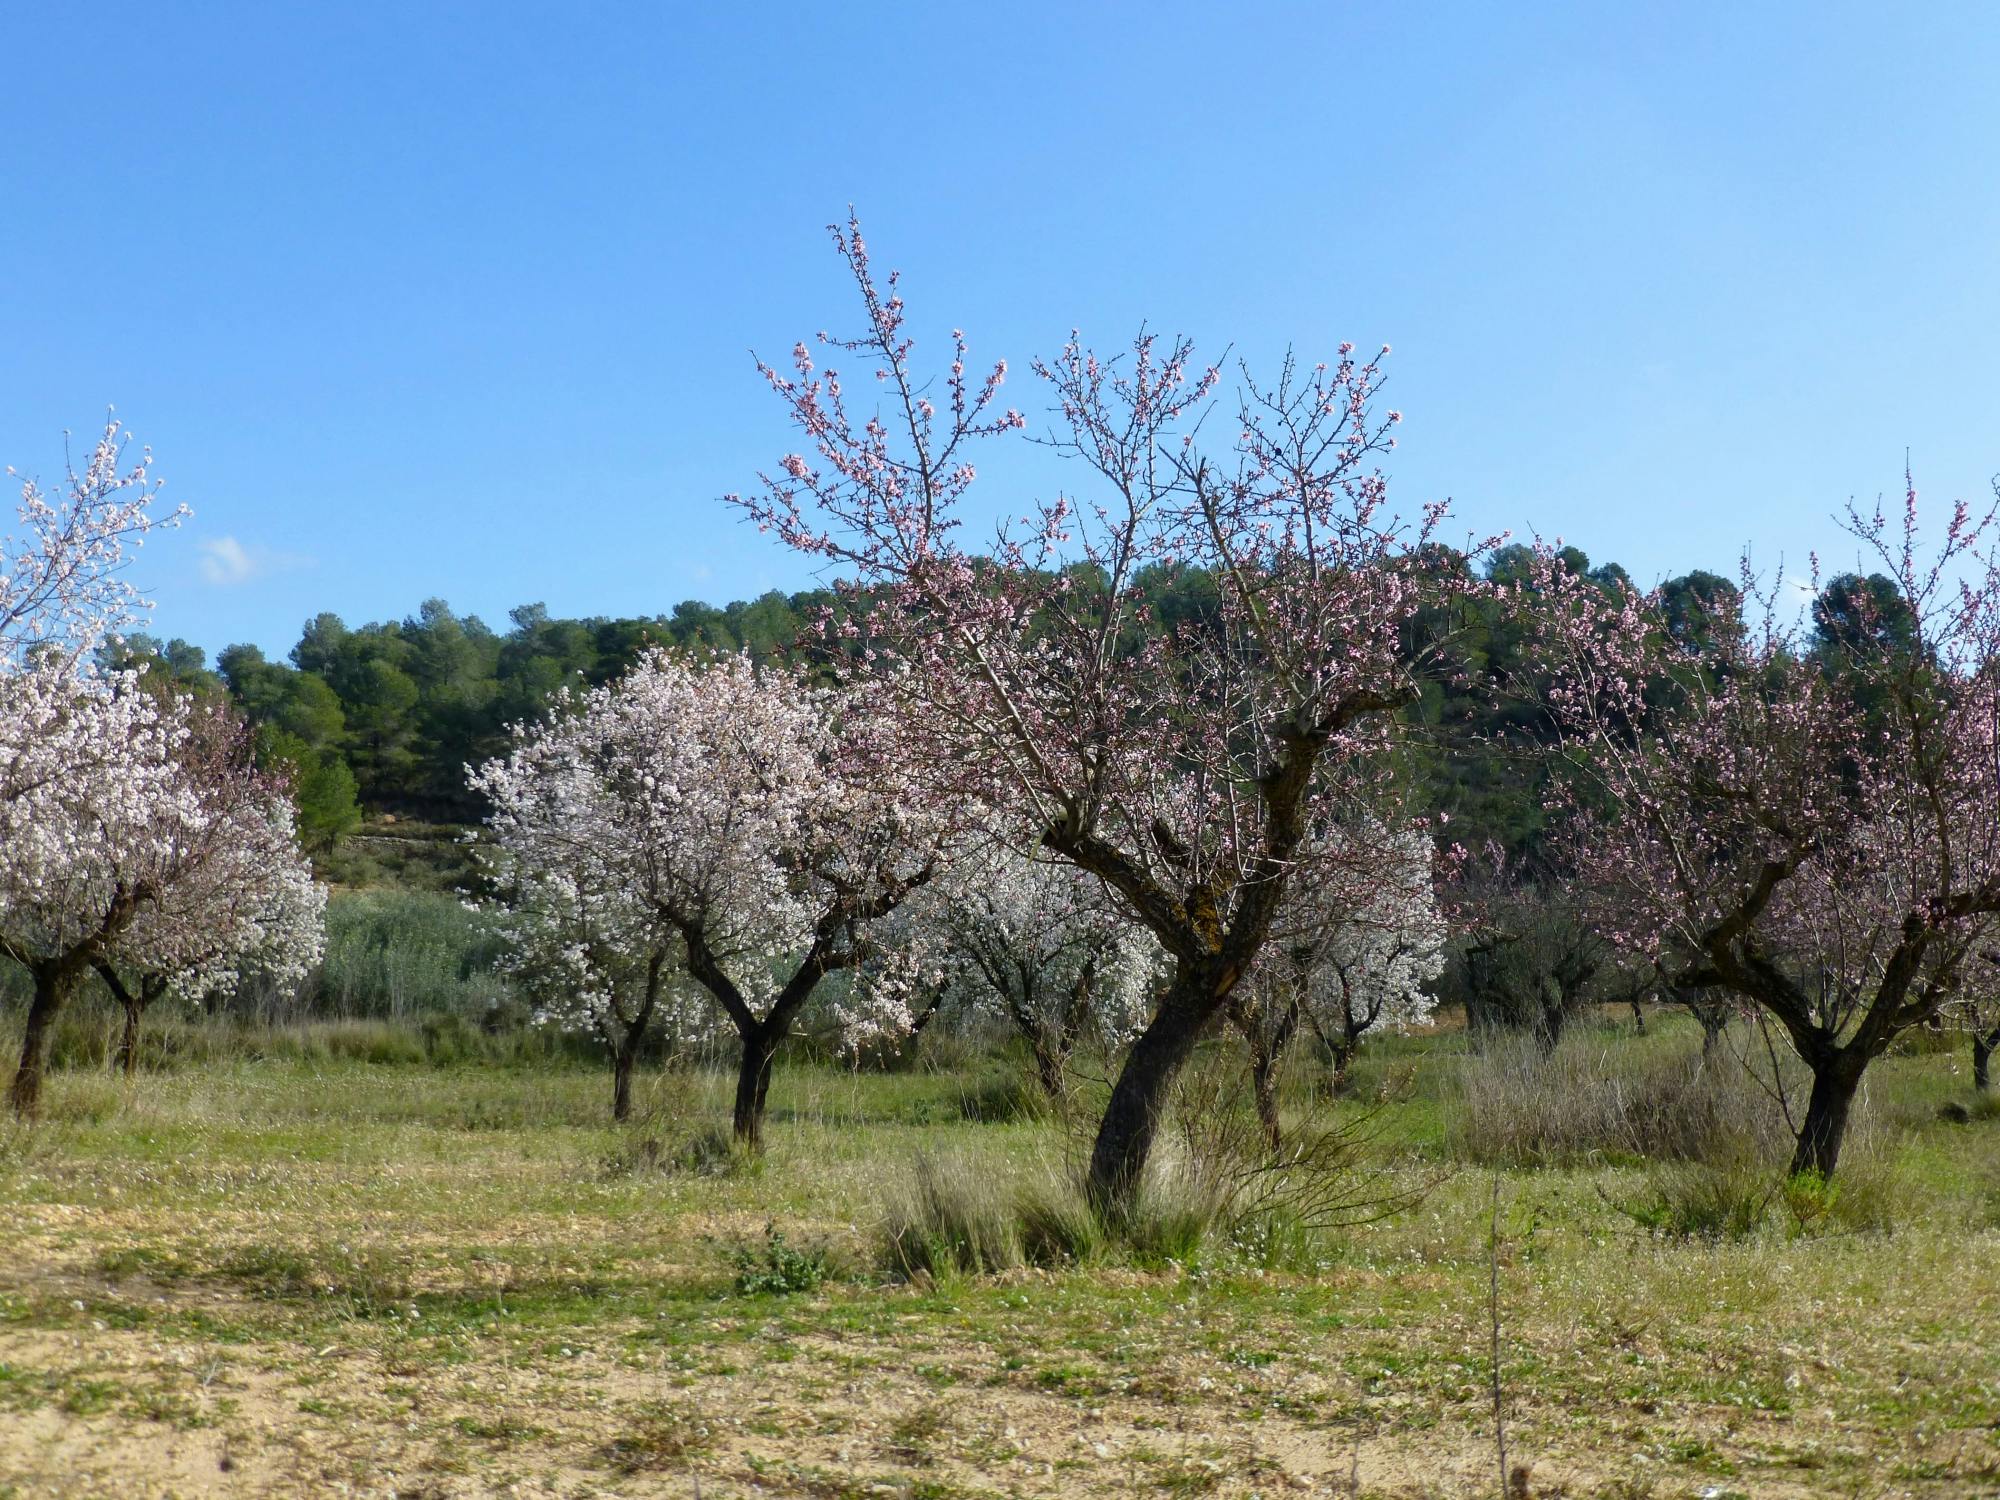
{"x": 1807, "y": 821}
{"x": 727, "y": 819}
{"x": 1187, "y": 768}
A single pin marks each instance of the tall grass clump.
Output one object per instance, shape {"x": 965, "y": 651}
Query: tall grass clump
{"x": 952, "y": 1218}
{"x": 1515, "y": 1105}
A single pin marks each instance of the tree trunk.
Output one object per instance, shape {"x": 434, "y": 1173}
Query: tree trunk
{"x": 1264, "y": 1087}
{"x": 1050, "y": 1066}
{"x": 51, "y": 989}
{"x": 1343, "y": 1061}
{"x": 1836, "y": 1080}
{"x": 1132, "y": 1117}
{"x": 128, "y": 1044}
{"x": 1983, "y": 1048}
{"x": 753, "y": 1083}
{"x": 623, "y": 1062}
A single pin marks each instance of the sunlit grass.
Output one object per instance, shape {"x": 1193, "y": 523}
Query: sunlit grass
{"x": 321, "y": 1268}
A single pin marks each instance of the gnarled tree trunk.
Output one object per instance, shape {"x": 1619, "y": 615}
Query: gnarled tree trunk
{"x": 1984, "y": 1045}
{"x": 753, "y": 1081}
{"x": 151, "y": 988}
{"x": 53, "y": 983}
{"x": 623, "y": 1063}
{"x": 1264, "y": 1089}
{"x": 1138, "y": 1099}
{"x": 631, "y": 1039}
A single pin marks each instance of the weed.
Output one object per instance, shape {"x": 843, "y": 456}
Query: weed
{"x": 779, "y": 1268}
{"x": 1692, "y": 1201}
{"x": 662, "y": 1435}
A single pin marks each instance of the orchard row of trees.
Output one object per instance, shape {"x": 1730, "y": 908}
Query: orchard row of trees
{"x": 1800, "y": 819}
{"x": 1187, "y": 745}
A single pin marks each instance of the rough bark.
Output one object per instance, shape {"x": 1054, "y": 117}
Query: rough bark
{"x": 632, "y": 1038}
{"x": 1984, "y": 1045}
{"x": 1343, "y": 1060}
{"x": 1051, "y": 1065}
{"x": 1264, "y": 1088}
{"x": 53, "y": 982}
{"x": 753, "y": 1083}
{"x": 1138, "y": 1099}
{"x": 1836, "y": 1080}
{"x": 623, "y": 1064}
{"x": 151, "y": 988}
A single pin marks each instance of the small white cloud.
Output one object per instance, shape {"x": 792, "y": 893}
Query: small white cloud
{"x": 224, "y": 561}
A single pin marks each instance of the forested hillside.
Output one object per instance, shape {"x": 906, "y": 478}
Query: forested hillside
{"x": 383, "y": 718}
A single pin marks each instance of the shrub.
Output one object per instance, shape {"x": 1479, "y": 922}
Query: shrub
{"x": 1003, "y": 1099}
{"x": 707, "y": 1152}
{"x": 1174, "y": 1216}
{"x": 402, "y": 953}
{"x": 1871, "y": 1195}
{"x": 1056, "y": 1225}
{"x": 663, "y": 1435}
{"x": 368, "y": 1042}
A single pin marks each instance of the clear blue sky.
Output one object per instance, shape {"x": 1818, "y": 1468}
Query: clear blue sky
{"x": 419, "y": 299}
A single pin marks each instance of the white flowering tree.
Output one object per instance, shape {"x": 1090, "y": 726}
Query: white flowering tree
{"x": 62, "y": 583}
{"x": 1031, "y": 940}
{"x": 1377, "y": 956}
{"x": 584, "y": 923}
{"x": 234, "y": 898}
{"x": 731, "y": 819}
{"x": 135, "y": 834}
{"x": 137, "y": 837}
{"x": 1353, "y": 951}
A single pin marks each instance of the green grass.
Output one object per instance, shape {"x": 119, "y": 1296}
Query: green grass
{"x": 326, "y": 1270}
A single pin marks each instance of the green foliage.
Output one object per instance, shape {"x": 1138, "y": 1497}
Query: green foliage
{"x": 395, "y": 953}
{"x": 779, "y": 1268}
{"x": 323, "y": 788}
{"x": 1699, "y": 1201}
{"x": 404, "y": 705}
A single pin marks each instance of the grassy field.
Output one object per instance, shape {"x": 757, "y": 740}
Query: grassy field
{"x": 317, "y": 1276}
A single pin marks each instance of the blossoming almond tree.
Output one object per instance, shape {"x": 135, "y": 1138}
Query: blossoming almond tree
{"x": 584, "y": 925}
{"x": 136, "y": 836}
{"x": 1031, "y": 939}
{"x": 1352, "y": 950}
{"x": 1810, "y": 824}
{"x": 737, "y": 810}
{"x": 236, "y": 898}
{"x": 1186, "y": 768}
{"x": 61, "y": 574}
